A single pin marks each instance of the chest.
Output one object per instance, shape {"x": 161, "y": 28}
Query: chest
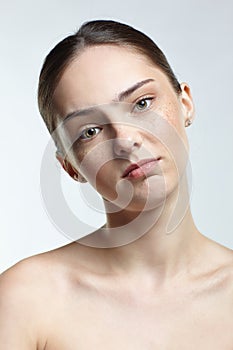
{"x": 174, "y": 324}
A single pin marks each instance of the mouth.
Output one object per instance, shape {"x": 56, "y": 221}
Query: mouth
{"x": 141, "y": 168}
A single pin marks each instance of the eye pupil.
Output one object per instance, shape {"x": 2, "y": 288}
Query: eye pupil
{"x": 90, "y": 132}
{"x": 142, "y": 104}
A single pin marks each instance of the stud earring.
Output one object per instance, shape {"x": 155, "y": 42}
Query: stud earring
{"x": 188, "y": 122}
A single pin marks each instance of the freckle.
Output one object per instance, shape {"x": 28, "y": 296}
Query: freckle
{"x": 171, "y": 113}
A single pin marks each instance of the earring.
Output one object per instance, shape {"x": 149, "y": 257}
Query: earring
{"x": 188, "y": 122}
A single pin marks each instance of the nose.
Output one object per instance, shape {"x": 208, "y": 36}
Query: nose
{"x": 127, "y": 140}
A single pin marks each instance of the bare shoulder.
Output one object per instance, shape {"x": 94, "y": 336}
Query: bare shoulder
{"x": 222, "y": 258}
{"x": 36, "y": 278}
{"x": 27, "y": 299}
{"x": 228, "y": 267}
{"x": 18, "y": 308}
{"x": 36, "y": 273}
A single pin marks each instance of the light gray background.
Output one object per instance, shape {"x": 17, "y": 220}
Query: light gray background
{"x": 196, "y": 36}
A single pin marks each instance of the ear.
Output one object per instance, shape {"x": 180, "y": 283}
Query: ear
{"x": 187, "y": 103}
{"x": 68, "y": 167}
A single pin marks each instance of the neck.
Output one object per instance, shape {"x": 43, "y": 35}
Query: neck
{"x": 167, "y": 240}
{"x": 160, "y": 243}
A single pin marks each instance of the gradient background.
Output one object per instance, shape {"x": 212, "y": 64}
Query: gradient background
{"x": 197, "y": 38}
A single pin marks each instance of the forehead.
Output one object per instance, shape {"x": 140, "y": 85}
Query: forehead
{"x": 99, "y": 74}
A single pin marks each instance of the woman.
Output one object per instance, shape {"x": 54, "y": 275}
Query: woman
{"x": 148, "y": 279}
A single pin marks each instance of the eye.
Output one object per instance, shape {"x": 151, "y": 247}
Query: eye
{"x": 143, "y": 104}
{"x": 89, "y": 133}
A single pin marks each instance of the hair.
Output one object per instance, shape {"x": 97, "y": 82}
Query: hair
{"x": 93, "y": 33}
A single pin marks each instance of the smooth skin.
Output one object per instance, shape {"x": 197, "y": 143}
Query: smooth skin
{"x": 161, "y": 291}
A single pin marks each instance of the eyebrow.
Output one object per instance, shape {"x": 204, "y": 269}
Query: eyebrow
{"x": 120, "y": 97}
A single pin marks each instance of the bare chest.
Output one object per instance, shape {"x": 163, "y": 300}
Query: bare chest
{"x": 106, "y": 322}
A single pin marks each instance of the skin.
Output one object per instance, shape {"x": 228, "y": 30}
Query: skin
{"x": 161, "y": 291}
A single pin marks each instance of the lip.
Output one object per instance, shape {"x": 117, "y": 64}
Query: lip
{"x": 141, "y": 168}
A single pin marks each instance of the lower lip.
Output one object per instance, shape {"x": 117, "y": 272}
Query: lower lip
{"x": 144, "y": 170}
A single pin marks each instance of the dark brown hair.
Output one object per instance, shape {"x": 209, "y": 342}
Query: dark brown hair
{"x": 98, "y": 32}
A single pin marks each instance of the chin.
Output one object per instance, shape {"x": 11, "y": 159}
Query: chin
{"x": 147, "y": 194}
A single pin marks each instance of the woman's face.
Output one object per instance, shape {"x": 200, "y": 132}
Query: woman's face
{"x": 119, "y": 109}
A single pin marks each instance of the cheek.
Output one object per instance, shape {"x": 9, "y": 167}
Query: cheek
{"x": 169, "y": 139}
{"x": 106, "y": 181}
{"x": 172, "y": 112}
{"x": 93, "y": 161}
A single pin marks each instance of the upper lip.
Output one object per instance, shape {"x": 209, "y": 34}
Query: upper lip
{"x": 137, "y": 165}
